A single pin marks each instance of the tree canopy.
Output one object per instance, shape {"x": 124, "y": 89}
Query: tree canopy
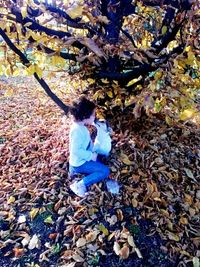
{"x": 122, "y": 48}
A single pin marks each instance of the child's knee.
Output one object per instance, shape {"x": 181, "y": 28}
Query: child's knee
{"x": 106, "y": 171}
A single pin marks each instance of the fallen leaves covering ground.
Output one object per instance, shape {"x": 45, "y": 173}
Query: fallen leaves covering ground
{"x": 154, "y": 221}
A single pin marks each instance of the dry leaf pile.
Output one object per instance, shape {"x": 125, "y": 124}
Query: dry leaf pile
{"x": 154, "y": 221}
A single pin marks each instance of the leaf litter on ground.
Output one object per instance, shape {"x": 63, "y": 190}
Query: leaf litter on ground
{"x": 154, "y": 220}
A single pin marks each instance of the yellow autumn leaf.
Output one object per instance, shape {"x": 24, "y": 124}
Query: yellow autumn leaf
{"x": 8, "y": 71}
{"x": 133, "y": 81}
{"x": 111, "y": 236}
{"x": 30, "y": 70}
{"x": 8, "y": 29}
{"x": 105, "y": 81}
{"x": 144, "y": 42}
{"x": 98, "y": 94}
{"x": 11, "y": 200}
{"x": 9, "y": 92}
{"x": 187, "y": 114}
{"x": 91, "y": 81}
{"x": 39, "y": 71}
{"x": 16, "y": 72}
{"x": 42, "y": 210}
{"x": 57, "y": 60}
{"x": 191, "y": 56}
{"x": 164, "y": 30}
{"x": 168, "y": 120}
{"x": 35, "y": 36}
{"x": 75, "y": 11}
{"x": 92, "y": 211}
{"x": 158, "y": 75}
{"x": 28, "y": 24}
{"x": 125, "y": 159}
{"x": 188, "y": 48}
{"x": 2, "y": 25}
{"x": 181, "y": 64}
{"x": 12, "y": 16}
{"x": 24, "y": 12}
{"x": 103, "y": 229}
{"x": 49, "y": 220}
{"x": 1, "y": 69}
{"x": 33, "y": 213}
{"x": 110, "y": 94}
{"x": 173, "y": 236}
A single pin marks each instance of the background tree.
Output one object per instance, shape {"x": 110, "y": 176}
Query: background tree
{"x": 130, "y": 52}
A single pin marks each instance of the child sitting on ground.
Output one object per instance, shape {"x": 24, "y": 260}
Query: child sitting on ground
{"x": 82, "y": 156}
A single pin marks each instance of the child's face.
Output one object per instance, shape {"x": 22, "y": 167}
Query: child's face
{"x": 90, "y": 120}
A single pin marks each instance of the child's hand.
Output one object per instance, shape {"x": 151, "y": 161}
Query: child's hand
{"x": 94, "y": 156}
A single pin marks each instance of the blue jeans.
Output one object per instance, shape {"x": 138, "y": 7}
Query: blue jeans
{"x": 97, "y": 172}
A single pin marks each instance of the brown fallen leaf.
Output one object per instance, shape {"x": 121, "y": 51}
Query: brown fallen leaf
{"x": 124, "y": 252}
{"x": 53, "y": 235}
{"x": 18, "y": 252}
{"x": 125, "y": 159}
{"x": 183, "y": 220}
{"x": 134, "y": 202}
{"x": 67, "y": 254}
{"x": 81, "y": 242}
{"x": 91, "y": 236}
{"x": 120, "y": 215}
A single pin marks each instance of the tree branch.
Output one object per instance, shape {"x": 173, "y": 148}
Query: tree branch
{"x": 127, "y": 7}
{"x": 135, "y": 72}
{"x": 69, "y": 21}
{"x": 159, "y": 44}
{"x": 169, "y": 16}
{"x": 129, "y": 37}
{"x": 129, "y": 75}
{"x": 181, "y": 5}
{"x": 36, "y": 26}
{"x": 26, "y": 62}
{"x": 64, "y": 55}
{"x": 73, "y": 23}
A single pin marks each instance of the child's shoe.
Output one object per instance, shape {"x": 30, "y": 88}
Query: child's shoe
{"x": 112, "y": 186}
{"x": 79, "y": 188}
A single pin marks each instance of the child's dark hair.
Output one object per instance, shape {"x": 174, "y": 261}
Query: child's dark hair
{"x": 82, "y": 108}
